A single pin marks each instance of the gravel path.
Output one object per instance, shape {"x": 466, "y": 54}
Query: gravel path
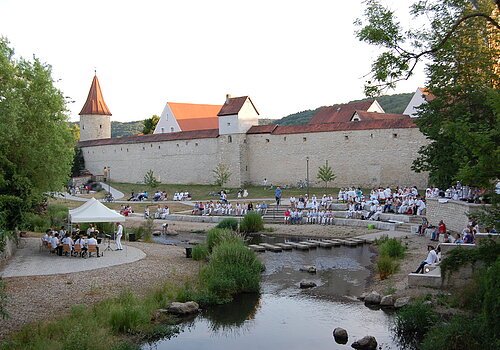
{"x": 29, "y": 297}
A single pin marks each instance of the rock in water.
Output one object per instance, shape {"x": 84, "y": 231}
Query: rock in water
{"x": 308, "y": 268}
{"x": 340, "y": 335}
{"x": 365, "y": 343}
{"x": 187, "y": 308}
{"x": 307, "y": 284}
{"x": 387, "y": 301}
{"x": 373, "y": 298}
{"x": 400, "y": 302}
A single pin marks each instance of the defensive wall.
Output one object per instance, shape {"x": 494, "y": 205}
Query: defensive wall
{"x": 357, "y": 157}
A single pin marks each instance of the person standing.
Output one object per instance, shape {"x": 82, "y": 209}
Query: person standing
{"x": 119, "y": 233}
{"x": 277, "y": 195}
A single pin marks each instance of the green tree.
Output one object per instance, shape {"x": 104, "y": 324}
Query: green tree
{"x": 460, "y": 42}
{"x": 36, "y": 144}
{"x": 150, "y": 124}
{"x": 325, "y": 174}
{"x": 78, "y": 162}
{"x": 150, "y": 180}
{"x": 221, "y": 174}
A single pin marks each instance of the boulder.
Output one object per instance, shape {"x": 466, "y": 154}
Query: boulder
{"x": 187, "y": 308}
{"x": 373, "y": 298}
{"x": 400, "y": 302}
{"x": 387, "y": 301}
{"x": 308, "y": 268}
{"x": 307, "y": 284}
{"x": 340, "y": 335}
{"x": 366, "y": 343}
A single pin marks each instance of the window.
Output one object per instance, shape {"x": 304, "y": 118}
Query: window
{"x": 196, "y": 144}
{"x": 83, "y": 127}
{"x": 151, "y": 145}
{"x": 187, "y": 143}
{"x": 246, "y": 167}
{"x": 394, "y": 136}
{"x": 158, "y": 146}
{"x": 172, "y": 129}
{"x": 177, "y": 145}
{"x": 162, "y": 130}
{"x": 100, "y": 126}
{"x": 127, "y": 149}
{"x": 304, "y": 139}
{"x": 229, "y": 139}
{"x": 267, "y": 140}
{"x": 346, "y": 137}
{"x": 228, "y": 124}
{"x": 371, "y": 136}
{"x": 143, "y": 148}
{"x": 284, "y": 138}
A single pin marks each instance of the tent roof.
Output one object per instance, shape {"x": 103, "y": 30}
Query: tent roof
{"x": 94, "y": 211}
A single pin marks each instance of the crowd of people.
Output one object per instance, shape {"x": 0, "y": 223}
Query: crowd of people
{"x": 228, "y": 208}
{"x": 456, "y": 192}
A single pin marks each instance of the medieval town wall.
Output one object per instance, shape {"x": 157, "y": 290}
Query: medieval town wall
{"x": 358, "y": 158}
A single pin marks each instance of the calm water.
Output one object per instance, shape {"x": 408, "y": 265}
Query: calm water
{"x": 284, "y": 316}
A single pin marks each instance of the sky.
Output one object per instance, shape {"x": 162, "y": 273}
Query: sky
{"x": 288, "y": 56}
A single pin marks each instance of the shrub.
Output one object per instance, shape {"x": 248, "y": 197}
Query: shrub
{"x": 392, "y": 247}
{"x": 3, "y": 300}
{"x": 229, "y": 223}
{"x": 252, "y": 222}
{"x": 460, "y": 333}
{"x": 386, "y": 266}
{"x": 127, "y": 314}
{"x": 200, "y": 252}
{"x": 215, "y": 236}
{"x": 232, "y": 269}
{"x": 34, "y": 222}
{"x": 57, "y": 214}
{"x": 413, "y": 321}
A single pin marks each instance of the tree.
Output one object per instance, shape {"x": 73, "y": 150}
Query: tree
{"x": 326, "y": 174}
{"x": 221, "y": 174}
{"x": 36, "y": 144}
{"x": 150, "y": 124}
{"x": 150, "y": 180}
{"x": 78, "y": 162}
{"x": 461, "y": 44}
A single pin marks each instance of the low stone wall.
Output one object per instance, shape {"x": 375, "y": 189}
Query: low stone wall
{"x": 453, "y": 213}
{"x": 9, "y": 250}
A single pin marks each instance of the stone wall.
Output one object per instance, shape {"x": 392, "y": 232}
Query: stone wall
{"x": 9, "y": 249}
{"x": 362, "y": 158}
{"x": 453, "y": 213}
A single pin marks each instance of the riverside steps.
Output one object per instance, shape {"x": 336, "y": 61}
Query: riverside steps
{"x": 271, "y": 247}
{"x": 310, "y": 244}
{"x": 298, "y": 246}
{"x": 333, "y": 242}
{"x": 322, "y": 244}
{"x": 284, "y": 246}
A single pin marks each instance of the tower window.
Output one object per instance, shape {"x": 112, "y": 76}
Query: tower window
{"x": 246, "y": 167}
{"x": 83, "y": 127}
{"x": 100, "y": 126}
{"x": 284, "y": 138}
{"x": 228, "y": 124}
{"x": 304, "y": 139}
{"x": 267, "y": 140}
{"x": 394, "y": 136}
{"x": 229, "y": 139}
{"x": 158, "y": 146}
{"x": 172, "y": 129}
{"x": 162, "y": 130}
{"x": 196, "y": 144}
{"x": 346, "y": 137}
{"x": 371, "y": 136}
{"x": 177, "y": 145}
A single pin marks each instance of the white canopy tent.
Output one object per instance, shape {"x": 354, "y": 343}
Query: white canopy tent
{"x": 94, "y": 211}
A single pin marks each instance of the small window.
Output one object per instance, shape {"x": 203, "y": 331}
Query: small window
{"x": 228, "y": 124}
{"x": 346, "y": 137}
{"x": 244, "y": 140}
{"x": 246, "y": 167}
{"x": 127, "y": 149}
{"x": 121, "y": 148}
{"x": 88, "y": 152}
{"x": 371, "y": 136}
{"x": 100, "y": 126}
{"x": 187, "y": 143}
{"x": 284, "y": 138}
{"x": 394, "y": 136}
{"x": 151, "y": 145}
{"x": 143, "y": 148}
{"x": 304, "y": 139}
{"x": 196, "y": 144}
{"x": 158, "y": 146}
{"x": 267, "y": 140}
{"x": 83, "y": 127}
{"x": 172, "y": 129}
{"x": 177, "y": 145}
{"x": 162, "y": 130}
{"x": 229, "y": 139}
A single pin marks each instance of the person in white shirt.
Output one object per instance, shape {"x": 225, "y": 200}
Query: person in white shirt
{"x": 432, "y": 258}
{"x": 81, "y": 242}
{"x": 420, "y": 206}
{"x": 119, "y": 234}
{"x": 92, "y": 241}
{"x": 69, "y": 241}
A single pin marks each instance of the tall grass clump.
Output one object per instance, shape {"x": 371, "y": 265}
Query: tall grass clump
{"x": 216, "y": 236}
{"x": 386, "y": 266}
{"x": 229, "y": 223}
{"x": 200, "y": 252}
{"x": 3, "y": 300}
{"x": 232, "y": 269}
{"x": 460, "y": 333}
{"x": 412, "y": 323}
{"x": 393, "y": 248}
{"x": 390, "y": 251}
{"x": 57, "y": 214}
{"x": 252, "y": 222}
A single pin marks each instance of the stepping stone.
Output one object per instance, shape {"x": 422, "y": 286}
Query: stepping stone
{"x": 310, "y": 244}
{"x": 271, "y": 247}
{"x": 285, "y": 246}
{"x": 333, "y": 242}
{"x": 257, "y": 248}
{"x": 298, "y": 245}
{"x": 357, "y": 241}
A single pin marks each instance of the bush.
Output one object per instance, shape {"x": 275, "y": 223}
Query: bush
{"x": 57, "y": 214}
{"x": 252, "y": 222}
{"x": 232, "y": 269}
{"x": 460, "y": 333}
{"x": 3, "y": 300}
{"x": 34, "y": 222}
{"x": 386, "y": 266}
{"x": 200, "y": 252}
{"x": 413, "y": 321}
{"x": 216, "y": 236}
{"x": 392, "y": 247}
{"x": 229, "y": 223}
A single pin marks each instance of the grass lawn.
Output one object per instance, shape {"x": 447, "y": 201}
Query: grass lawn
{"x": 201, "y": 192}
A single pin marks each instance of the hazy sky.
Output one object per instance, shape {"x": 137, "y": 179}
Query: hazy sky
{"x": 287, "y": 56}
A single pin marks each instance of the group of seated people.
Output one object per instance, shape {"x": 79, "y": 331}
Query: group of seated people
{"x": 137, "y": 197}
{"x": 160, "y": 196}
{"x": 304, "y": 202}
{"x": 456, "y": 192}
{"x": 182, "y": 196}
{"x": 126, "y": 210}
{"x": 76, "y": 243}
{"x": 160, "y": 213}
{"x": 227, "y": 208}
{"x": 296, "y": 216}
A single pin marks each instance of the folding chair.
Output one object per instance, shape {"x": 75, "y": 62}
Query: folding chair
{"x": 67, "y": 249}
{"x": 92, "y": 248}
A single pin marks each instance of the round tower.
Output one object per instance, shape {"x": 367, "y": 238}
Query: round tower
{"x": 95, "y": 117}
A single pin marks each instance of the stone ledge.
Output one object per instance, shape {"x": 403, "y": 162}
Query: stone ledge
{"x": 431, "y": 279}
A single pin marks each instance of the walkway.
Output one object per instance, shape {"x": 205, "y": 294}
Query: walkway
{"x": 30, "y": 261}
{"x": 117, "y": 195}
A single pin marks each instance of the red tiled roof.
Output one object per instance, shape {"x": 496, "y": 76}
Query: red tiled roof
{"x": 192, "y": 116}
{"x": 339, "y": 112}
{"x": 95, "y": 102}
{"x": 173, "y": 136}
{"x": 377, "y": 116}
{"x": 233, "y": 105}
{"x": 262, "y": 129}
{"x": 427, "y": 95}
{"x": 403, "y": 122}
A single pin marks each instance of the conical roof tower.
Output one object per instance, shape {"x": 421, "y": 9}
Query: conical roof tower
{"x": 95, "y": 121}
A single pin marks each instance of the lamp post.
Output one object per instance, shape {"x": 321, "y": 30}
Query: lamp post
{"x": 307, "y": 176}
